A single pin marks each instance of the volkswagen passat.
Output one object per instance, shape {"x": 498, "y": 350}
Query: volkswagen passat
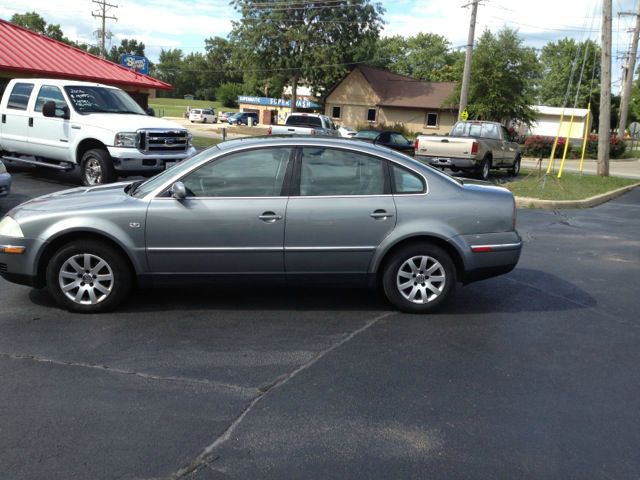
{"x": 264, "y": 209}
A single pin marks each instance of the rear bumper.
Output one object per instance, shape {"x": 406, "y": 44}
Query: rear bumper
{"x": 448, "y": 162}
{"x": 490, "y": 255}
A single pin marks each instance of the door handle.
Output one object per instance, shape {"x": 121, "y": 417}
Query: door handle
{"x": 380, "y": 214}
{"x": 31, "y": 121}
{"x": 4, "y": 118}
{"x": 270, "y": 217}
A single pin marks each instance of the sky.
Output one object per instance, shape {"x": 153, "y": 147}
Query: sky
{"x": 164, "y": 24}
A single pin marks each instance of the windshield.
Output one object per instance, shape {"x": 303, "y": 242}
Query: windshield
{"x": 367, "y": 134}
{"x": 176, "y": 171}
{"x": 93, "y": 99}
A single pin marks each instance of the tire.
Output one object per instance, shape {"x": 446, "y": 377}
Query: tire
{"x": 404, "y": 270}
{"x": 515, "y": 168}
{"x": 204, "y": 120}
{"x": 97, "y": 286}
{"x": 96, "y": 167}
{"x": 482, "y": 172}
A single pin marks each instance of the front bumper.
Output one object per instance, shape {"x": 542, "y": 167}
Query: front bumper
{"x": 21, "y": 268}
{"x": 5, "y": 184}
{"x": 133, "y": 160}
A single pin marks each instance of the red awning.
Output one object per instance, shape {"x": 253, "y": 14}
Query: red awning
{"x": 29, "y": 52}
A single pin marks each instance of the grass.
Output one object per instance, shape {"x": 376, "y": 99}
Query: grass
{"x": 204, "y": 142}
{"x": 176, "y": 107}
{"x": 572, "y": 186}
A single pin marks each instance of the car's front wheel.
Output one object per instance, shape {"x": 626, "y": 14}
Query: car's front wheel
{"x": 88, "y": 276}
{"x": 418, "y": 278}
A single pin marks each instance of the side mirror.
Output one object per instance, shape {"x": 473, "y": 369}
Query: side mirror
{"x": 49, "y": 109}
{"x": 178, "y": 191}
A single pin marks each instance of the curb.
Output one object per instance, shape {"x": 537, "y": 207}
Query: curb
{"x": 528, "y": 202}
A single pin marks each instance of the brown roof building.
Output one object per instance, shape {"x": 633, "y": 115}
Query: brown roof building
{"x": 375, "y": 97}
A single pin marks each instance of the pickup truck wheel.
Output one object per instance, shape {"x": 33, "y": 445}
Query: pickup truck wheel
{"x": 88, "y": 276}
{"x": 484, "y": 168}
{"x": 418, "y": 278}
{"x": 96, "y": 167}
{"x": 515, "y": 168}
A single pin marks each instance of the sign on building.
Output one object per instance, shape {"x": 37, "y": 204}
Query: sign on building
{"x": 135, "y": 62}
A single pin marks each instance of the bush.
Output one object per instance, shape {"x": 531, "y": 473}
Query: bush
{"x": 396, "y": 127}
{"x": 540, "y": 147}
{"x": 227, "y": 94}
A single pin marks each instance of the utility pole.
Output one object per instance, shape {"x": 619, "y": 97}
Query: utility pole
{"x": 102, "y": 13}
{"x": 604, "y": 126}
{"x": 628, "y": 78}
{"x": 466, "y": 76}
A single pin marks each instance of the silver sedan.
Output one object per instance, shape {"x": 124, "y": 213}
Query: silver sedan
{"x": 292, "y": 209}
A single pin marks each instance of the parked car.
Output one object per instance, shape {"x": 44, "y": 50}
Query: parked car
{"x": 300, "y": 123}
{"x": 353, "y": 211}
{"x": 473, "y": 147}
{"x": 202, "y": 115}
{"x": 347, "y": 132}
{"x": 389, "y": 139}
{"x": 242, "y": 118}
{"x": 224, "y": 116}
{"x": 5, "y": 180}
{"x": 66, "y": 124}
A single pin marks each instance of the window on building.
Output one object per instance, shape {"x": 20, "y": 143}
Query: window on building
{"x": 432, "y": 120}
{"x": 371, "y": 114}
{"x": 335, "y": 112}
{"x": 20, "y": 94}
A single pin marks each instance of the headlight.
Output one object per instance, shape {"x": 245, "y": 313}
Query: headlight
{"x": 3, "y": 169}
{"x": 10, "y": 228}
{"x": 126, "y": 139}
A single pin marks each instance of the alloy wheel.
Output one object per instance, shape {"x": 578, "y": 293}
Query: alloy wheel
{"x": 421, "y": 279}
{"x": 86, "y": 279}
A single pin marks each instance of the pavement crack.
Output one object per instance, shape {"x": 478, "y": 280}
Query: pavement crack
{"x": 201, "y": 459}
{"x": 146, "y": 376}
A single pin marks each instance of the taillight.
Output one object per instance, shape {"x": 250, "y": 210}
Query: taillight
{"x": 269, "y": 131}
{"x": 474, "y": 148}
{"x": 416, "y": 144}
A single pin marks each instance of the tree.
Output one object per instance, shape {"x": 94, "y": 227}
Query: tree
{"x": 31, "y": 20}
{"x": 314, "y": 41}
{"x": 504, "y": 74}
{"x": 127, "y": 46}
{"x": 557, "y": 60}
{"x": 170, "y": 69}
{"x": 426, "y": 56}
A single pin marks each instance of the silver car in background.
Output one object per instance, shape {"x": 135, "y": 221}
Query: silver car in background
{"x": 263, "y": 209}
{"x": 5, "y": 180}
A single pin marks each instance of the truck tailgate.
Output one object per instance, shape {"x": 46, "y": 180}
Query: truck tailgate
{"x": 448, "y": 147}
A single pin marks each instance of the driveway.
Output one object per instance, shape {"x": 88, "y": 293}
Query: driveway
{"x": 529, "y": 375}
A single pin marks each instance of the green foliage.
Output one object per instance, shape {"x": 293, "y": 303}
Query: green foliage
{"x": 227, "y": 94}
{"x": 127, "y": 46}
{"x": 310, "y": 42}
{"x": 539, "y": 146}
{"x": 504, "y": 74}
{"x": 426, "y": 56}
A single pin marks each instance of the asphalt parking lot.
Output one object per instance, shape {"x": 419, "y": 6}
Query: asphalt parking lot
{"x": 530, "y": 375}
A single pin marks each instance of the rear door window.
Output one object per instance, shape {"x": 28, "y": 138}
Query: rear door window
{"x": 19, "y": 98}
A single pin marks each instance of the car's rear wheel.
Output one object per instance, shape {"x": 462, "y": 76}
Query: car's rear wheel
{"x": 88, "y": 276}
{"x": 418, "y": 278}
{"x": 484, "y": 168}
{"x": 96, "y": 167}
{"x": 515, "y": 168}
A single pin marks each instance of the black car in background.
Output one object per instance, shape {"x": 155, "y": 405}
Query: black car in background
{"x": 386, "y": 138}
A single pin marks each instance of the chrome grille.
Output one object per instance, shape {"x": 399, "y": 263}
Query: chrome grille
{"x": 163, "y": 141}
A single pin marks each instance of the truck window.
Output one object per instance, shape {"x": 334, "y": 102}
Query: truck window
{"x": 303, "y": 121}
{"x": 19, "y": 98}
{"x": 90, "y": 99}
{"x": 49, "y": 93}
{"x": 489, "y": 130}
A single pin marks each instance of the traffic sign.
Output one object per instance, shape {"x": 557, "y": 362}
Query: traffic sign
{"x": 464, "y": 115}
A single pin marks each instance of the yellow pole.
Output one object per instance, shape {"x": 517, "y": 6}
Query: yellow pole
{"x": 555, "y": 143}
{"x": 586, "y": 134}
{"x": 566, "y": 144}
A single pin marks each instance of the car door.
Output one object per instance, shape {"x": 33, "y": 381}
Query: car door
{"x": 231, "y": 222}
{"x": 492, "y": 139}
{"x": 50, "y": 136}
{"x": 340, "y": 211}
{"x": 15, "y": 119}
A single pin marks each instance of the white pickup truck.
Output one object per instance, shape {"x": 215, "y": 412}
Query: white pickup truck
{"x": 306, "y": 124}
{"x": 475, "y": 147}
{"x": 64, "y": 124}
